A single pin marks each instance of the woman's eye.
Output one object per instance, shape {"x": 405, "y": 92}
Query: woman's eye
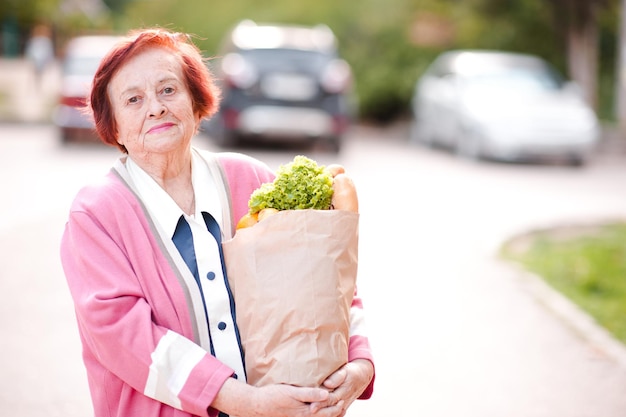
{"x": 133, "y": 100}
{"x": 168, "y": 90}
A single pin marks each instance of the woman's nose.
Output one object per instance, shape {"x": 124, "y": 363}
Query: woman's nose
{"x": 156, "y": 108}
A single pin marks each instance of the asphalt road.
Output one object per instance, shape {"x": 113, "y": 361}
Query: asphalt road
{"x": 456, "y": 333}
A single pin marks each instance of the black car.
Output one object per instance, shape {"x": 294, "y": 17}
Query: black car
{"x": 282, "y": 82}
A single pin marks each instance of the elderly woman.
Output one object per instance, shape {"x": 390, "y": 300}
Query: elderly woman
{"x": 142, "y": 254}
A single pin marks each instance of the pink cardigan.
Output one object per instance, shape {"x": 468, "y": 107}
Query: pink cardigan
{"x": 140, "y": 342}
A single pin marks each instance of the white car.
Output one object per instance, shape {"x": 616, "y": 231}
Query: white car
{"x": 503, "y": 106}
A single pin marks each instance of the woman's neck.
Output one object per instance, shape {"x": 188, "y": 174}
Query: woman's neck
{"x": 173, "y": 174}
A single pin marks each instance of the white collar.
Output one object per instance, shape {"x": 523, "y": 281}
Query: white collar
{"x": 163, "y": 208}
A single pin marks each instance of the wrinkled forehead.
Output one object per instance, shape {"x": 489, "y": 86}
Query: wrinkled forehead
{"x": 149, "y": 66}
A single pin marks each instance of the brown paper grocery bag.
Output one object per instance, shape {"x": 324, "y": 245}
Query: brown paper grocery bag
{"x": 293, "y": 276}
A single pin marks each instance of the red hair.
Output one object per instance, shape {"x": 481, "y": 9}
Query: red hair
{"x": 205, "y": 95}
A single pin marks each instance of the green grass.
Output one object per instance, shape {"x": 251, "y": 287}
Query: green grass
{"x": 588, "y": 266}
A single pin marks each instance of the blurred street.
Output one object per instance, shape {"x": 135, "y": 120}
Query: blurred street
{"x": 455, "y": 332}
{"x": 22, "y": 97}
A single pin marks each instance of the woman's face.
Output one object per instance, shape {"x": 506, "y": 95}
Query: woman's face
{"x": 152, "y": 105}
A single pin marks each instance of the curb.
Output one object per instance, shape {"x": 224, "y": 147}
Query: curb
{"x": 570, "y": 313}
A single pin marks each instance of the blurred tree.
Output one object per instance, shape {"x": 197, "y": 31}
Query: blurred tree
{"x": 620, "y": 99}
{"x": 17, "y": 18}
{"x": 28, "y": 11}
{"x": 576, "y": 24}
{"x": 583, "y": 42}
{"x": 66, "y": 18}
{"x": 116, "y": 6}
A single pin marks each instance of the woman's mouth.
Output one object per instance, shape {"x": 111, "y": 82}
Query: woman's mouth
{"x": 160, "y": 127}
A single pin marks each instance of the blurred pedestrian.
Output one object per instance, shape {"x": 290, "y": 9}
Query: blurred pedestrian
{"x": 142, "y": 256}
{"x": 40, "y": 51}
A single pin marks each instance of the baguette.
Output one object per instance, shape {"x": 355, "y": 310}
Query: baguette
{"x": 344, "y": 194}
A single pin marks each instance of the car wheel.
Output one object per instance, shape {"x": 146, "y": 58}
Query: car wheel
{"x": 217, "y": 132}
{"x": 468, "y": 146}
{"x": 66, "y": 136}
{"x": 334, "y": 144}
{"x": 420, "y": 135}
{"x": 227, "y": 139}
{"x": 577, "y": 160}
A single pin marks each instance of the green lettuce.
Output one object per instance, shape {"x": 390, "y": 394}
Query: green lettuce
{"x": 300, "y": 184}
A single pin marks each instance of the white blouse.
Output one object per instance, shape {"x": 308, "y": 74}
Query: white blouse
{"x": 223, "y": 336}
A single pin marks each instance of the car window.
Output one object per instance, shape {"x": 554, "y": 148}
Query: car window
{"x": 286, "y": 59}
{"x": 529, "y": 79}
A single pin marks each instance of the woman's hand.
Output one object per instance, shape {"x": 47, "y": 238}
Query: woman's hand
{"x": 239, "y": 399}
{"x": 290, "y": 401}
{"x": 346, "y": 384}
